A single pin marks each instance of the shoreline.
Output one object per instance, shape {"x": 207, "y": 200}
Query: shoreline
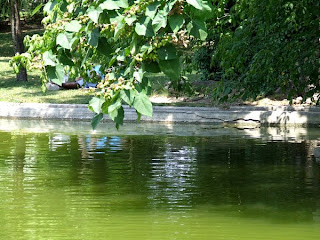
{"x": 250, "y": 116}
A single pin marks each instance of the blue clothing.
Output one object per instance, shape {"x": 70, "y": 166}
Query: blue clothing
{"x": 97, "y": 70}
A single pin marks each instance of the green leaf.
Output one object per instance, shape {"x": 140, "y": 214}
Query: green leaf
{"x": 49, "y": 6}
{"x": 114, "y": 4}
{"x": 63, "y": 41}
{"x": 144, "y": 27}
{"x": 94, "y": 13}
{"x": 93, "y": 38}
{"x": 151, "y": 9}
{"x": 146, "y": 48}
{"x": 130, "y": 20}
{"x": 75, "y": 41}
{"x": 133, "y": 44}
{"x": 128, "y": 96}
{"x": 143, "y": 105}
{"x": 65, "y": 60}
{"x": 198, "y": 29}
{"x": 117, "y": 117}
{"x": 152, "y": 67}
{"x": 95, "y": 104}
{"x": 205, "y": 12}
{"x": 109, "y": 5}
{"x": 123, "y": 3}
{"x": 116, "y": 112}
{"x": 120, "y": 25}
{"x": 87, "y": 56}
{"x": 169, "y": 5}
{"x": 144, "y": 86}
{"x": 36, "y": 9}
{"x": 195, "y": 3}
{"x": 49, "y": 58}
{"x": 138, "y": 75}
{"x": 73, "y": 26}
{"x": 96, "y": 120}
{"x": 63, "y": 6}
{"x": 203, "y": 5}
{"x": 104, "y": 47}
{"x": 121, "y": 57}
{"x": 116, "y": 104}
{"x": 167, "y": 52}
{"x": 55, "y": 74}
{"x": 171, "y": 68}
{"x": 176, "y": 22}
{"x": 160, "y": 21}
{"x": 139, "y": 116}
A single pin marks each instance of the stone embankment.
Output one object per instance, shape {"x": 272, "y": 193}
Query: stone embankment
{"x": 251, "y": 116}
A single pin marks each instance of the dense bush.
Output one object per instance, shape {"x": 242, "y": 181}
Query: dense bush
{"x": 265, "y": 46}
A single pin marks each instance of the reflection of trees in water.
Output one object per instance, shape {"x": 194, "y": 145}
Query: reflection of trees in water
{"x": 176, "y": 173}
{"x": 273, "y": 178}
{"x": 171, "y": 183}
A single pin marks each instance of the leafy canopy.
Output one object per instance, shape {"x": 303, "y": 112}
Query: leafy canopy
{"x": 127, "y": 38}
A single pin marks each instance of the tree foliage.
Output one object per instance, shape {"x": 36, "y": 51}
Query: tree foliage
{"x": 28, "y": 8}
{"x": 255, "y": 47}
{"x": 259, "y": 47}
{"x": 127, "y": 38}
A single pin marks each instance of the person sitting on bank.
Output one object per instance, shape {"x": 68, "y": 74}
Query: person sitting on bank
{"x": 94, "y": 74}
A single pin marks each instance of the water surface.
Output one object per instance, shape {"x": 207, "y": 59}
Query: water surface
{"x": 81, "y": 185}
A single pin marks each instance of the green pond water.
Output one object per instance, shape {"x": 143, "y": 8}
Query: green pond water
{"x": 84, "y": 185}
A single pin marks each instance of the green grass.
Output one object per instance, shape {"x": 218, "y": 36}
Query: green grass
{"x": 30, "y": 91}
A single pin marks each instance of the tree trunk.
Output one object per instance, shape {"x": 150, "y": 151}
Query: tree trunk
{"x": 17, "y": 35}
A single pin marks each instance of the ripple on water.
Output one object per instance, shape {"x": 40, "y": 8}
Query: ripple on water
{"x": 60, "y": 186}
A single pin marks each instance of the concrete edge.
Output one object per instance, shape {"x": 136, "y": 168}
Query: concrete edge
{"x": 243, "y": 115}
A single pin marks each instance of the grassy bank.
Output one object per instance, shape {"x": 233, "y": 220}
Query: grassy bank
{"x": 13, "y": 91}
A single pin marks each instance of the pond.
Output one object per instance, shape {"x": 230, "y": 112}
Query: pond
{"x": 63, "y": 181}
